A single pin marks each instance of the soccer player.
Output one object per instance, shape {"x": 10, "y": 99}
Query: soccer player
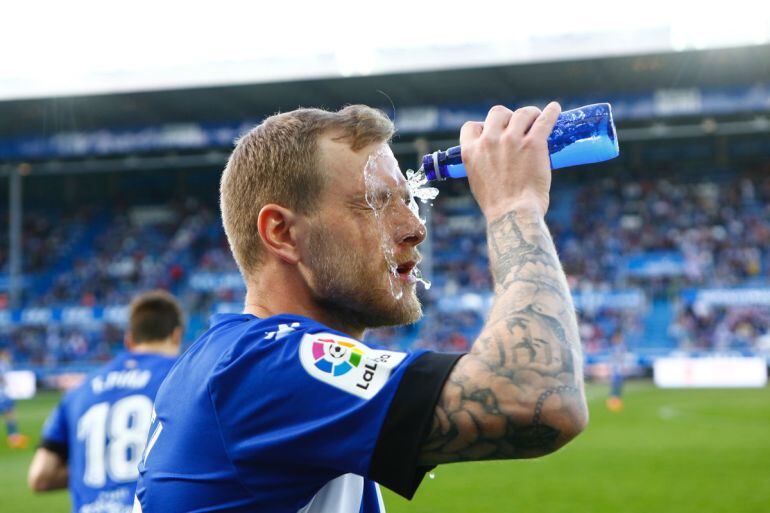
{"x": 94, "y": 438}
{"x": 15, "y": 439}
{"x": 282, "y": 408}
{"x": 617, "y": 371}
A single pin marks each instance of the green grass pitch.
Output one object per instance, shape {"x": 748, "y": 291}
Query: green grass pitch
{"x": 678, "y": 451}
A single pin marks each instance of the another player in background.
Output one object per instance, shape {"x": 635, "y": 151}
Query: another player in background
{"x": 282, "y": 409}
{"x": 94, "y": 438}
{"x": 15, "y": 439}
{"x": 617, "y": 371}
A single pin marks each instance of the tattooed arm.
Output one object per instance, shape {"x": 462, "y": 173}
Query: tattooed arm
{"x": 519, "y": 392}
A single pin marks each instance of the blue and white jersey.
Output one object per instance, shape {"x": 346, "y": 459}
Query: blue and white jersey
{"x": 287, "y": 415}
{"x": 100, "y": 429}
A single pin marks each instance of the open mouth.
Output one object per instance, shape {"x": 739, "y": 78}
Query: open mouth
{"x": 404, "y": 270}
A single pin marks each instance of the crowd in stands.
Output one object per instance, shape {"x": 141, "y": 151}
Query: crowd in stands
{"x": 54, "y": 345}
{"x": 130, "y": 250}
{"x": 717, "y": 227}
{"x": 737, "y": 328}
{"x": 46, "y": 235}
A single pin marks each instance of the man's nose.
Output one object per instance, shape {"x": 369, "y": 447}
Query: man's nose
{"x": 413, "y": 231}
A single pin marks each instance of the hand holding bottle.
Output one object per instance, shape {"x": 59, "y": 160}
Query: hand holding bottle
{"x": 584, "y": 135}
{"x": 507, "y": 159}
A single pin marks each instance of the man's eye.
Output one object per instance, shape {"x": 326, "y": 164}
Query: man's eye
{"x": 379, "y": 201}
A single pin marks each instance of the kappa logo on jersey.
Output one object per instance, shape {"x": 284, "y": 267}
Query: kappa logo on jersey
{"x": 347, "y": 364}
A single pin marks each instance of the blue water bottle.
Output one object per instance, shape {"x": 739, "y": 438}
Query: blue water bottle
{"x": 581, "y": 136}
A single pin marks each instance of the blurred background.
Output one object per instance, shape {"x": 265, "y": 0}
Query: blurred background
{"x": 115, "y": 124}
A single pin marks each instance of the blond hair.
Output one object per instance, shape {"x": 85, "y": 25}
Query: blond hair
{"x": 277, "y": 162}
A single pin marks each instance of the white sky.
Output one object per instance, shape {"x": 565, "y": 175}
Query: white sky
{"x": 77, "y": 46}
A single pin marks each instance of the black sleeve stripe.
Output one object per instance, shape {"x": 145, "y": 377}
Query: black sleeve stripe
{"x": 59, "y": 448}
{"x": 408, "y": 422}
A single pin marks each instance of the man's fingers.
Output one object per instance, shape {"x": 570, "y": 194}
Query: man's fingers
{"x": 543, "y": 125}
{"x": 470, "y": 131}
{"x": 497, "y": 120}
{"x": 522, "y": 120}
{"x": 525, "y": 121}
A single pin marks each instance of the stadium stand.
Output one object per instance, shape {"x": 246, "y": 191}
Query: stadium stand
{"x": 654, "y": 239}
{"x": 658, "y": 245}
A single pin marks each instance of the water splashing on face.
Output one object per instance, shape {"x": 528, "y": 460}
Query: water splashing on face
{"x": 417, "y": 273}
{"x": 379, "y": 196}
{"x": 417, "y": 181}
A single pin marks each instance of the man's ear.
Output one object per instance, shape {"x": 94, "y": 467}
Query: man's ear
{"x": 176, "y": 336}
{"x": 275, "y": 224}
{"x": 128, "y": 341}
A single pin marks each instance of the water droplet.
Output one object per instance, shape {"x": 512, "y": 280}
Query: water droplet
{"x": 418, "y": 275}
{"x": 373, "y": 184}
{"x": 416, "y": 181}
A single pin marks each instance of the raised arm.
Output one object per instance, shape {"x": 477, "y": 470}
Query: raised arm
{"x": 519, "y": 392}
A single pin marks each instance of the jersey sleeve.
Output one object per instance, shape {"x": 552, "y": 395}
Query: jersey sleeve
{"x": 408, "y": 422}
{"x": 56, "y": 432}
{"x": 321, "y": 405}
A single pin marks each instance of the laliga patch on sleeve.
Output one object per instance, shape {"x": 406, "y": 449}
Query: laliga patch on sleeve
{"x": 347, "y": 364}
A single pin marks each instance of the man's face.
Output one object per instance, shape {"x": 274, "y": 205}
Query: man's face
{"x": 361, "y": 248}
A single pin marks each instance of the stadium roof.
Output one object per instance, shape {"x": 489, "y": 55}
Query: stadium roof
{"x": 83, "y": 47}
{"x": 639, "y": 73}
